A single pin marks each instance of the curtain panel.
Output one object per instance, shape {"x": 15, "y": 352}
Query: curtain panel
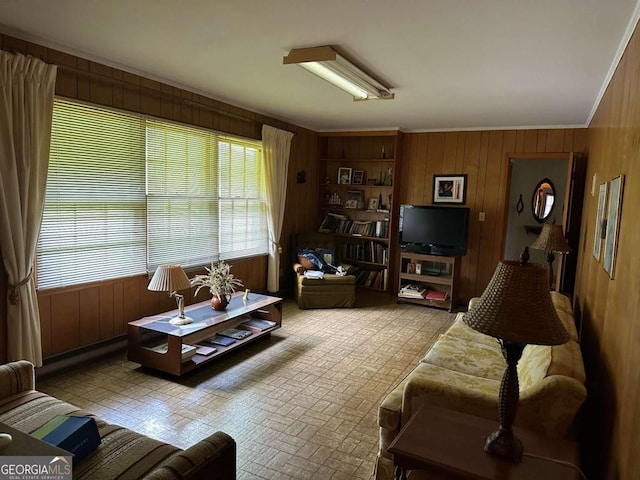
{"x": 276, "y": 144}
{"x": 27, "y": 85}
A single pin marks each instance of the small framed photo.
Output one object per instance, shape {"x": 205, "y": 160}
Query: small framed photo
{"x": 355, "y": 199}
{"x": 450, "y": 188}
{"x": 411, "y": 268}
{"x": 418, "y": 269}
{"x": 373, "y": 203}
{"x": 358, "y": 177}
{"x": 344, "y": 175}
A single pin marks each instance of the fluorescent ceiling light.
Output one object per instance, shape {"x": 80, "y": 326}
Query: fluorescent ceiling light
{"x": 326, "y": 63}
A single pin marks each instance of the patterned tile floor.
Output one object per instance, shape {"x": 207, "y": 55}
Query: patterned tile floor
{"x": 301, "y": 404}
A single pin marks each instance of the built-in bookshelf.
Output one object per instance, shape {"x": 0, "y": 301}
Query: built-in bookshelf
{"x": 358, "y": 173}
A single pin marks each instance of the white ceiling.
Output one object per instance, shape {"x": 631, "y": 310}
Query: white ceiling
{"x": 453, "y": 64}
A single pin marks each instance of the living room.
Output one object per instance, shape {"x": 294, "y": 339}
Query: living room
{"x": 605, "y": 307}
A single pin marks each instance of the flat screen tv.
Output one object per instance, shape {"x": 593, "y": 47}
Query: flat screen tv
{"x": 434, "y": 229}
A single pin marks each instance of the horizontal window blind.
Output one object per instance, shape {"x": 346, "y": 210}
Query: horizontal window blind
{"x": 94, "y": 223}
{"x": 181, "y": 195}
{"x": 126, "y": 193}
{"x": 243, "y": 215}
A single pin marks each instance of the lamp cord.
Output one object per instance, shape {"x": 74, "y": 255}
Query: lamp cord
{"x": 555, "y": 460}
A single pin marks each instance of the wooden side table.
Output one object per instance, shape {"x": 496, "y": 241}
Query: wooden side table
{"x": 24, "y": 444}
{"x": 449, "y": 445}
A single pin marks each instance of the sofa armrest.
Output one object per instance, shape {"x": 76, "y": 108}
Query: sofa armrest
{"x": 16, "y": 377}
{"x": 213, "y": 458}
{"x": 299, "y": 269}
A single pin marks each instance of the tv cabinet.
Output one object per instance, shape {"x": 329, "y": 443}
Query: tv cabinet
{"x": 359, "y": 175}
{"x": 435, "y": 273}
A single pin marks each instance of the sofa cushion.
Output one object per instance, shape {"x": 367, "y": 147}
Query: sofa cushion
{"x": 459, "y": 329}
{"x": 467, "y": 356}
{"x": 563, "y": 308}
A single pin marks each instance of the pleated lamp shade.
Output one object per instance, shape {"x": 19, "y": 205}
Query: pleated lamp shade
{"x": 169, "y": 278}
{"x": 516, "y": 306}
{"x": 551, "y": 239}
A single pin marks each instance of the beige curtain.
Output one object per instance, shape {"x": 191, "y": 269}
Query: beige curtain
{"x": 277, "y": 145}
{"x": 27, "y": 86}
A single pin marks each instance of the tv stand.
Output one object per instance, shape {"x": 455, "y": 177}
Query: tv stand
{"x": 437, "y": 273}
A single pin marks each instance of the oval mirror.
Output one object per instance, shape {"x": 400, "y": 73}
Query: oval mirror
{"x": 543, "y": 199}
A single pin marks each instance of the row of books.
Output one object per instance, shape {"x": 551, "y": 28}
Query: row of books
{"x": 366, "y": 251}
{"x": 336, "y": 223}
{"x": 419, "y": 291}
{"x": 373, "y": 278}
{"x": 223, "y": 338}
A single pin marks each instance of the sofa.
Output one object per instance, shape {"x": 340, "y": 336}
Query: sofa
{"x": 462, "y": 371}
{"x": 332, "y": 291}
{"x": 123, "y": 454}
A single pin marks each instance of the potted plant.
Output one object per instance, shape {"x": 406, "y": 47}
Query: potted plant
{"x": 220, "y": 282}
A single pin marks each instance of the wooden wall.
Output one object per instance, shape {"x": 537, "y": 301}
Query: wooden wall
{"x": 484, "y": 157}
{"x": 610, "y": 309}
{"x": 77, "y": 317}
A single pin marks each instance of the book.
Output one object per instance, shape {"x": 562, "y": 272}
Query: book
{"x": 205, "y": 350}
{"x": 188, "y": 351}
{"x": 258, "y": 325}
{"x": 220, "y": 340}
{"x": 436, "y": 295}
{"x": 235, "y": 333}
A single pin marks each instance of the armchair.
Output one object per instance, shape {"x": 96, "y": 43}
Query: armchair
{"x": 332, "y": 291}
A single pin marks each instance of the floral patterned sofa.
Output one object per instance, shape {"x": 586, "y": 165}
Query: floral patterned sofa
{"x": 463, "y": 369}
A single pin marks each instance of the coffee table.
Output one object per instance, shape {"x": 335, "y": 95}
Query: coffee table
{"x": 449, "y": 446}
{"x": 148, "y": 332}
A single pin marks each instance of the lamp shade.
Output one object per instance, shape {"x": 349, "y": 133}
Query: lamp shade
{"x": 169, "y": 278}
{"x": 551, "y": 239}
{"x": 516, "y": 306}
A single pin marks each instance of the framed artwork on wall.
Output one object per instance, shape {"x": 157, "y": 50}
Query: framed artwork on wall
{"x": 614, "y": 209}
{"x": 600, "y": 220}
{"x": 450, "y": 188}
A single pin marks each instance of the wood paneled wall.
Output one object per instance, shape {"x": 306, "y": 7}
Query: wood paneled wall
{"x": 610, "y": 309}
{"x": 77, "y": 317}
{"x": 484, "y": 157}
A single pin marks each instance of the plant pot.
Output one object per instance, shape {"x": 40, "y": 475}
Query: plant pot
{"x": 219, "y": 304}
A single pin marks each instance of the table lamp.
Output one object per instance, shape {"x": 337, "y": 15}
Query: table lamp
{"x": 515, "y": 308}
{"x": 171, "y": 278}
{"x": 552, "y": 241}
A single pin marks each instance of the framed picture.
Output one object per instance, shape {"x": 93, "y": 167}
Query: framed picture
{"x": 358, "y": 177}
{"x": 600, "y": 221}
{"x": 373, "y": 203}
{"x": 450, "y": 188}
{"x": 614, "y": 209}
{"x": 344, "y": 175}
{"x": 411, "y": 268}
{"x": 355, "y": 199}
{"x": 418, "y": 269}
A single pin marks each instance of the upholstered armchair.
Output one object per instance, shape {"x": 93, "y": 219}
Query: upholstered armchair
{"x": 331, "y": 291}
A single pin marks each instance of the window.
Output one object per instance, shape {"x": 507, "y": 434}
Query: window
{"x": 94, "y": 224}
{"x": 126, "y": 193}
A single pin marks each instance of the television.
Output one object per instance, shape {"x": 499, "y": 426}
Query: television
{"x": 434, "y": 229}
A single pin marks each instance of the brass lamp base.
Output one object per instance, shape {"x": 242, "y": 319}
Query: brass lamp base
{"x": 504, "y": 444}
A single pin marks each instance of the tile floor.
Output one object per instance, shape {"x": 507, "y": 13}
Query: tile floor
{"x": 301, "y": 404}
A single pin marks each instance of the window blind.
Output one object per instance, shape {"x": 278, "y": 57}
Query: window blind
{"x": 126, "y": 193}
{"x": 93, "y": 225}
{"x": 243, "y": 216}
{"x": 181, "y": 195}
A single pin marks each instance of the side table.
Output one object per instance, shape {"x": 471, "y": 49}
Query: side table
{"x": 449, "y": 445}
{"x": 24, "y": 444}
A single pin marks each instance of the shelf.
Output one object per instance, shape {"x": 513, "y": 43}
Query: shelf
{"x": 435, "y": 279}
{"x": 446, "y": 282}
{"x": 351, "y": 261}
{"x": 360, "y": 237}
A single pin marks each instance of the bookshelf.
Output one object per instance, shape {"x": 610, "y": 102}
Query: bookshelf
{"x": 433, "y": 273}
{"x": 358, "y": 174}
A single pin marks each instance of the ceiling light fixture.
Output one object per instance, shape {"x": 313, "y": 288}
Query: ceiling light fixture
{"x": 329, "y": 65}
